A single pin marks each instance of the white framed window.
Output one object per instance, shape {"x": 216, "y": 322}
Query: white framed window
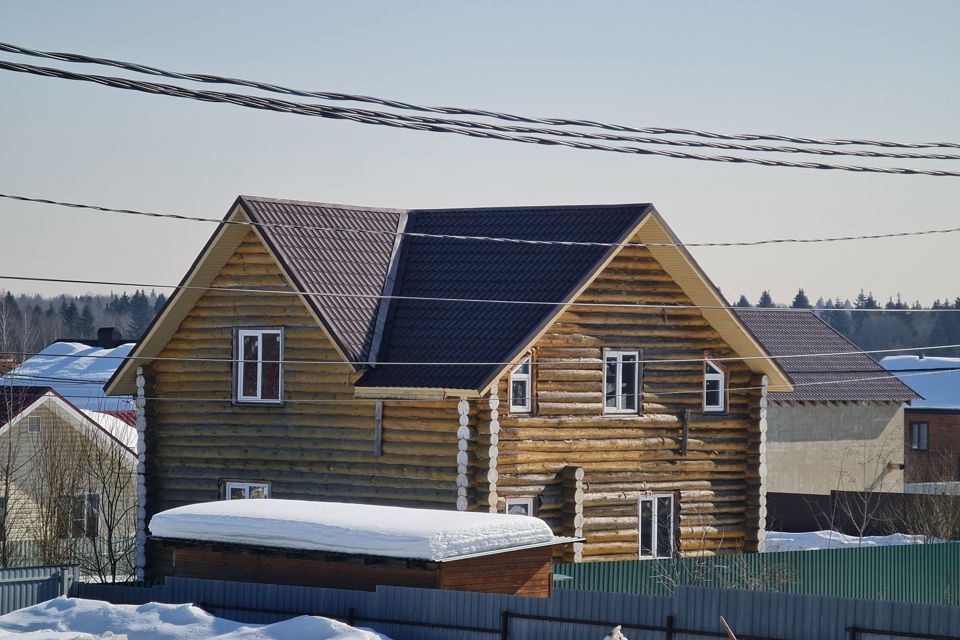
{"x": 521, "y": 390}
{"x": 33, "y": 424}
{"x": 919, "y": 436}
{"x": 520, "y": 506}
{"x": 714, "y": 387}
{"x": 656, "y": 526}
{"x": 621, "y": 381}
{"x": 246, "y": 490}
{"x": 259, "y": 373}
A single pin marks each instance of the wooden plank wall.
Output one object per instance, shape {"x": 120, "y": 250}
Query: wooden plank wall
{"x": 319, "y": 451}
{"x": 624, "y": 457}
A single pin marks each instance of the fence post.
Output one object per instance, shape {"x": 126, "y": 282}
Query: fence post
{"x": 352, "y": 617}
{"x": 669, "y": 629}
{"x": 504, "y": 625}
{"x": 852, "y": 633}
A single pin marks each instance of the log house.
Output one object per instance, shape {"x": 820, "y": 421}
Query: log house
{"x": 329, "y": 352}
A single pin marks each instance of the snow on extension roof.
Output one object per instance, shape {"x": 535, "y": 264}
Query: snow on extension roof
{"x": 361, "y": 529}
{"x": 118, "y": 428}
{"x": 78, "y": 379}
{"x": 931, "y": 377}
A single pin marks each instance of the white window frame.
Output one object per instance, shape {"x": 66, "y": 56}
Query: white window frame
{"x": 526, "y": 501}
{"x": 638, "y": 401}
{"x": 246, "y": 486}
{"x": 721, "y": 377}
{"x": 655, "y": 533}
{"x": 916, "y": 440}
{"x": 88, "y": 511}
{"x": 238, "y": 368}
{"x": 34, "y": 424}
{"x": 527, "y": 379}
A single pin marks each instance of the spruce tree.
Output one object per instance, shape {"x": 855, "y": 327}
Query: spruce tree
{"x": 743, "y": 302}
{"x": 800, "y": 301}
{"x": 86, "y": 322}
{"x": 766, "y": 300}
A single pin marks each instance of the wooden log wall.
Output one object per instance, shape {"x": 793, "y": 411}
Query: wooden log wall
{"x": 626, "y": 456}
{"x": 307, "y": 450}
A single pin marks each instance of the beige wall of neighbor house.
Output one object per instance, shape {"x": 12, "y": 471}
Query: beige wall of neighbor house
{"x": 44, "y": 461}
{"x": 816, "y": 448}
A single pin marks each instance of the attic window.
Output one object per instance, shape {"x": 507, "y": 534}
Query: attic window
{"x": 520, "y": 395}
{"x": 621, "y": 381}
{"x": 33, "y": 424}
{"x": 714, "y": 383}
{"x": 259, "y": 374}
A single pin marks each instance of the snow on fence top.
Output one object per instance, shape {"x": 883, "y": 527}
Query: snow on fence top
{"x": 362, "y": 529}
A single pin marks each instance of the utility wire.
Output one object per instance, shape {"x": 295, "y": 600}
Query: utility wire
{"x": 541, "y": 363}
{"x": 396, "y": 104}
{"x": 381, "y": 118}
{"x": 369, "y": 296}
{"x": 447, "y": 236}
{"x": 653, "y": 394}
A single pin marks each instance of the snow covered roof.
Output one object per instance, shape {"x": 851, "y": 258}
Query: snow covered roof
{"x": 77, "y": 372}
{"x": 360, "y": 529}
{"x": 937, "y": 379}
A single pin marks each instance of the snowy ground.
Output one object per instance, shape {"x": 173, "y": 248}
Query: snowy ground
{"x": 78, "y": 619}
{"x": 811, "y": 540}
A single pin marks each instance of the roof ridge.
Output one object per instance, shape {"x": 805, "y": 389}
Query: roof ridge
{"x": 332, "y": 205}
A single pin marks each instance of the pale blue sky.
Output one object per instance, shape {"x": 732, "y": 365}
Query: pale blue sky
{"x": 856, "y": 69}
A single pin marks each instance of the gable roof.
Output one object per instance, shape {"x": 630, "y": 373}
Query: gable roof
{"x": 351, "y": 264}
{"x": 838, "y": 377}
{"x": 14, "y": 399}
{"x": 382, "y": 293}
{"x": 423, "y": 330}
{"x": 77, "y": 371}
{"x": 19, "y": 402}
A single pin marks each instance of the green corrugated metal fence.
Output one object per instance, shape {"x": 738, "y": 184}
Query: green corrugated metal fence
{"x": 928, "y": 573}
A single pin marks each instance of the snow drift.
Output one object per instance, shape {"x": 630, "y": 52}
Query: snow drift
{"x": 396, "y": 532}
{"x": 813, "y": 540}
{"x": 77, "y": 619}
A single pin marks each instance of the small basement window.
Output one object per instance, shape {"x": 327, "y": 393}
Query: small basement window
{"x": 714, "y": 387}
{"x": 521, "y": 399}
{"x": 246, "y": 490}
{"x": 918, "y": 436}
{"x": 656, "y": 526}
{"x": 520, "y": 506}
{"x": 621, "y": 381}
{"x": 33, "y": 424}
{"x": 259, "y": 375}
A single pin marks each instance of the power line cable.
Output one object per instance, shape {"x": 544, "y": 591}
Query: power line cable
{"x": 542, "y": 362}
{"x": 655, "y": 394}
{"x": 365, "y": 296}
{"x": 403, "y": 122}
{"x": 447, "y": 236}
{"x": 464, "y": 111}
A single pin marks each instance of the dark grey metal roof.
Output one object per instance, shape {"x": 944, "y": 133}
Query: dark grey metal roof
{"x": 354, "y": 264}
{"x": 426, "y": 267}
{"x": 793, "y": 333}
{"x": 487, "y": 331}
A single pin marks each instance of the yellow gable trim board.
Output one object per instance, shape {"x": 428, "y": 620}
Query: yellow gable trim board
{"x": 221, "y": 246}
{"x": 685, "y": 271}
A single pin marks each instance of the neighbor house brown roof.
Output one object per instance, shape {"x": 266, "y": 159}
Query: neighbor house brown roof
{"x": 845, "y": 375}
